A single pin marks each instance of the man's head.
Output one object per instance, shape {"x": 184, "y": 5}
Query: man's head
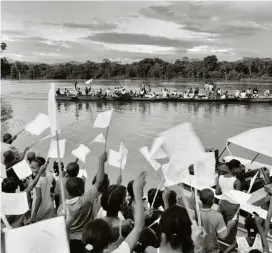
{"x": 35, "y": 165}
{"x": 7, "y": 138}
{"x": 207, "y": 197}
{"x": 104, "y": 185}
{"x": 75, "y": 187}
{"x": 72, "y": 169}
{"x": 31, "y": 156}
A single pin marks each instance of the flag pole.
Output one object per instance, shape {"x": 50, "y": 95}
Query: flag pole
{"x": 60, "y": 173}
{"x": 186, "y": 205}
{"x": 106, "y": 139}
{"x": 22, "y": 130}
{"x": 159, "y": 186}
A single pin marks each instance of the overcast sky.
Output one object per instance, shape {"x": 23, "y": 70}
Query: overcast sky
{"x": 53, "y": 32}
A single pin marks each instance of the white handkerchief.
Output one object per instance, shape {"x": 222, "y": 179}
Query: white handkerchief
{"x": 82, "y": 172}
{"x": 238, "y": 196}
{"x": 156, "y": 147}
{"x": 89, "y": 81}
{"x": 22, "y": 169}
{"x": 144, "y": 151}
{"x": 14, "y": 203}
{"x": 124, "y": 152}
{"x": 45, "y": 236}
{"x": 53, "y": 150}
{"x": 38, "y": 125}
{"x": 114, "y": 158}
{"x": 103, "y": 119}
{"x": 99, "y": 138}
{"x": 81, "y": 152}
{"x": 182, "y": 145}
{"x": 52, "y": 111}
{"x": 3, "y": 171}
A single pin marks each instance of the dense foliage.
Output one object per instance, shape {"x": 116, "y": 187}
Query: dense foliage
{"x": 208, "y": 68}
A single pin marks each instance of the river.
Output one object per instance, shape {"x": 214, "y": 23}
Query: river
{"x": 134, "y": 123}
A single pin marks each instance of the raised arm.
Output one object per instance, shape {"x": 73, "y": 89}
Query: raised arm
{"x": 218, "y": 189}
{"x": 165, "y": 198}
{"x": 269, "y": 215}
{"x": 101, "y": 171}
{"x": 134, "y": 235}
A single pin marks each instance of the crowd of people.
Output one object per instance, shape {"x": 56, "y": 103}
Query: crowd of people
{"x": 111, "y": 217}
{"x": 145, "y": 91}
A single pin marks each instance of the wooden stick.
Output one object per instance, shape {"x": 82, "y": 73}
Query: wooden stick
{"x": 197, "y": 208}
{"x": 60, "y": 174}
{"x": 5, "y": 221}
{"x": 106, "y": 139}
{"x": 22, "y": 130}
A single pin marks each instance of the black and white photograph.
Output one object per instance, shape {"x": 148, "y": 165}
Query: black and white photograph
{"x": 136, "y": 126}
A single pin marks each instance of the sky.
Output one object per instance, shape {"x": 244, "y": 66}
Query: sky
{"x": 128, "y": 31}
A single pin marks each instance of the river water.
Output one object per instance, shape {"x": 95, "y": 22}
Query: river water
{"x": 134, "y": 123}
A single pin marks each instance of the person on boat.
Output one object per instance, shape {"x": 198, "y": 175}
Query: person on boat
{"x": 255, "y": 93}
{"x": 142, "y": 93}
{"x": 211, "y": 87}
{"x": 65, "y": 92}
{"x": 79, "y": 93}
{"x": 196, "y": 92}
{"x": 58, "y": 92}
{"x": 267, "y": 93}
{"x": 243, "y": 94}
{"x": 86, "y": 91}
{"x": 206, "y": 89}
{"x": 247, "y": 93}
{"x": 237, "y": 94}
{"x": 218, "y": 92}
{"x": 174, "y": 94}
{"x": 225, "y": 183}
{"x": 108, "y": 92}
{"x": 123, "y": 91}
{"x": 256, "y": 238}
{"x": 213, "y": 222}
{"x": 99, "y": 93}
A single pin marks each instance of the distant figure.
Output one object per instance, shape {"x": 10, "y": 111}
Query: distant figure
{"x": 65, "y": 92}
{"x": 79, "y": 93}
{"x": 108, "y": 92}
{"x": 86, "y": 91}
{"x": 267, "y": 94}
{"x": 255, "y": 93}
{"x": 237, "y": 94}
{"x": 243, "y": 94}
{"x": 76, "y": 85}
{"x": 206, "y": 89}
{"x": 58, "y": 92}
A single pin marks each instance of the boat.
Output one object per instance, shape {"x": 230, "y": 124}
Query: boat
{"x": 63, "y": 98}
{"x": 255, "y": 140}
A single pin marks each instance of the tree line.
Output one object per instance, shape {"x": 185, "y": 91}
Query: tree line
{"x": 207, "y": 68}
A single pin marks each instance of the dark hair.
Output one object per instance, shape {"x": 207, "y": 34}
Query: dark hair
{"x": 233, "y": 164}
{"x": 147, "y": 238}
{"x": 72, "y": 169}
{"x": 31, "y": 156}
{"x": 75, "y": 186}
{"x": 9, "y": 185}
{"x": 56, "y": 167}
{"x": 172, "y": 200}
{"x": 255, "y": 251}
{"x": 7, "y": 138}
{"x": 104, "y": 185}
{"x": 112, "y": 200}
{"x": 158, "y": 200}
{"x": 38, "y": 160}
{"x": 8, "y": 157}
{"x": 207, "y": 197}
{"x": 130, "y": 191}
{"x": 251, "y": 226}
{"x": 176, "y": 226}
{"x": 41, "y": 159}
{"x": 98, "y": 234}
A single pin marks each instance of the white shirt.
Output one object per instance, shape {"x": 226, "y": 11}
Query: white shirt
{"x": 123, "y": 248}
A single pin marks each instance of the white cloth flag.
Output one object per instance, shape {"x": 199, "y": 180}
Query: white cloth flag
{"x": 22, "y": 169}
{"x": 103, "y": 119}
{"x": 14, "y": 203}
{"x": 81, "y": 152}
{"x": 155, "y": 165}
{"x": 89, "y": 81}
{"x": 45, "y": 236}
{"x": 38, "y": 125}
{"x": 3, "y": 171}
{"x": 182, "y": 145}
{"x": 205, "y": 170}
{"x": 123, "y": 152}
{"x": 52, "y": 111}
{"x": 238, "y": 196}
{"x": 99, "y": 138}
{"x": 156, "y": 152}
{"x": 53, "y": 149}
{"x": 82, "y": 172}
{"x": 114, "y": 158}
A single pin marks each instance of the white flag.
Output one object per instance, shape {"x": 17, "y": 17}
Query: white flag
{"x": 89, "y": 81}
{"x": 82, "y": 172}
{"x": 52, "y": 111}
{"x": 144, "y": 151}
{"x": 114, "y": 158}
{"x": 38, "y": 125}
{"x": 53, "y": 149}
{"x": 14, "y": 203}
{"x": 103, "y": 119}
{"x": 3, "y": 172}
{"x": 81, "y": 152}
{"x": 156, "y": 152}
{"x": 238, "y": 196}
{"x": 99, "y": 138}
{"x": 22, "y": 169}
{"x": 45, "y": 236}
{"x": 124, "y": 152}
{"x": 182, "y": 145}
